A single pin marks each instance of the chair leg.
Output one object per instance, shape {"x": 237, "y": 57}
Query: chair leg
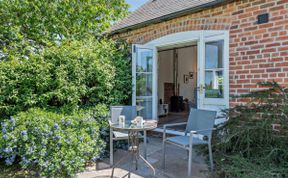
{"x": 163, "y": 154}
{"x": 190, "y": 162}
{"x": 145, "y": 144}
{"x": 210, "y": 156}
{"x": 190, "y": 156}
{"x": 111, "y": 147}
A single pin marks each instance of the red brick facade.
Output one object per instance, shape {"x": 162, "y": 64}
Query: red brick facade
{"x": 258, "y": 52}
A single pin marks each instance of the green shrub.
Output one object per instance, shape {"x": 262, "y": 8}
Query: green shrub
{"x": 27, "y": 27}
{"x": 53, "y": 144}
{"x": 53, "y": 57}
{"x": 73, "y": 75}
{"x": 248, "y": 145}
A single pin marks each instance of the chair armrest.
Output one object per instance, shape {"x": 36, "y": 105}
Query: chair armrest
{"x": 198, "y": 132}
{"x": 192, "y": 132}
{"x": 191, "y": 138}
{"x": 204, "y": 130}
{"x": 171, "y": 125}
{"x": 176, "y": 124}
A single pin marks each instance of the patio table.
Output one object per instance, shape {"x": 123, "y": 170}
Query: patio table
{"x": 133, "y": 143}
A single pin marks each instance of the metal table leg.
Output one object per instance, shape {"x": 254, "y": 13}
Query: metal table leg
{"x": 133, "y": 150}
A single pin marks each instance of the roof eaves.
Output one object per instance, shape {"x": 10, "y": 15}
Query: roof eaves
{"x": 171, "y": 16}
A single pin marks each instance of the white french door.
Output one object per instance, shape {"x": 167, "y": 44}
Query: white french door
{"x": 144, "y": 72}
{"x": 212, "y": 70}
{"x": 213, "y": 67}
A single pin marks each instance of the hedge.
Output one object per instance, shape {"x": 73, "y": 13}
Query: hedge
{"x": 72, "y": 75}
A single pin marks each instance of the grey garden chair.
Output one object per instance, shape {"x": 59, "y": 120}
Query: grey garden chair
{"x": 199, "y": 122}
{"x": 130, "y": 113}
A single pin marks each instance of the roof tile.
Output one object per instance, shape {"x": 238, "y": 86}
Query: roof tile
{"x": 157, "y": 8}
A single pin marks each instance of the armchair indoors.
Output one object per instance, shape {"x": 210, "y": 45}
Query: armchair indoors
{"x": 199, "y": 122}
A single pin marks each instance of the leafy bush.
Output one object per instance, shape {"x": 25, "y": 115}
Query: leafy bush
{"x": 72, "y": 75}
{"x": 53, "y": 144}
{"x": 253, "y": 143}
{"x": 27, "y": 27}
{"x": 53, "y": 57}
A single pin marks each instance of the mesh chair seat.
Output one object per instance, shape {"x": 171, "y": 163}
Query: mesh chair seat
{"x": 120, "y": 134}
{"x": 184, "y": 140}
{"x": 123, "y": 134}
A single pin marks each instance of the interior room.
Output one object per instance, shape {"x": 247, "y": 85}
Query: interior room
{"x": 177, "y": 82}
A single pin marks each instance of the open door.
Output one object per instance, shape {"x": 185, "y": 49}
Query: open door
{"x": 214, "y": 72}
{"x": 144, "y": 73}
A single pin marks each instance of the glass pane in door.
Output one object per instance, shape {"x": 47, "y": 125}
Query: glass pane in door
{"x": 144, "y": 107}
{"x": 214, "y": 84}
{"x": 214, "y": 69}
{"x": 214, "y": 54}
{"x": 144, "y": 60}
{"x": 144, "y": 82}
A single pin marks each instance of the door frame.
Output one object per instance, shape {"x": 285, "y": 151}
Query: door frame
{"x": 225, "y": 101}
{"x": 154, "y": 77}
{"x": 178, "y": 39}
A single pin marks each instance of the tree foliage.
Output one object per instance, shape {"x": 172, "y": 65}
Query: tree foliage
{"x": 52, "y": 55}
{"x": 28, "y": 26}
{"x": 253, "y": 143}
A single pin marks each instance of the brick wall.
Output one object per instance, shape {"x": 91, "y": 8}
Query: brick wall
{"x": 258, "y": 52}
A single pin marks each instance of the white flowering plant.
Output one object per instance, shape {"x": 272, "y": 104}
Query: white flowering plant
{"x": 53, "y": 144}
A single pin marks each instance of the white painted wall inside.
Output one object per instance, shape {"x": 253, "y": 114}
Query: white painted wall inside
{"x": 187, "y": 58}
{"x": 187, "y": 63}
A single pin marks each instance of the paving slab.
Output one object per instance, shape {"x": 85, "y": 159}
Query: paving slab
{"x": 176, "y": 164}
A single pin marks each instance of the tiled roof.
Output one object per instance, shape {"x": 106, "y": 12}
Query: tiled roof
{"x": 154, "y": 9}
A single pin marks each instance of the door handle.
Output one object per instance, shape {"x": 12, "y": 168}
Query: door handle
{"x": 200, "y": 88}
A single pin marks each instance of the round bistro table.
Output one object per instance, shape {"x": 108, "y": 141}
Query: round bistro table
{"x": 133, "y": 144}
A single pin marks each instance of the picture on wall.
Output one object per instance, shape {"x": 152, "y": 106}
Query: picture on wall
{"x": 191, "y": 75}
{"x": 186, "y": 78}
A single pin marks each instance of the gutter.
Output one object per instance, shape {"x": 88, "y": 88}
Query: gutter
{"x": 171, "y": 16}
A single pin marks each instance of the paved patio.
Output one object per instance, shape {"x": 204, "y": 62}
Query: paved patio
{"x": 176, "y": 164}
